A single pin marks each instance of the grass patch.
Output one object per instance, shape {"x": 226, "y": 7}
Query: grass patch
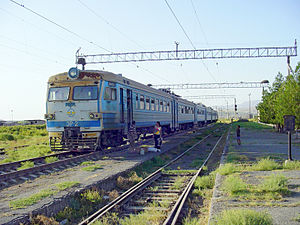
{"x": 125, "y": 183}
{"x": 196, "y": 163}
{"x": 191, "y": 221}
{"x": 275, "y": 183}
{"x": 26, "y": 165}
{"x": 291, "y": 165}
{"x": 251, "y": 125}
{"x": 236, "y": 158}
{"x": 243, "y": 217}
{"x": 228, "y": 168}
{"x": 51, "y": 159}
{"x": 26, "y": 153}
{"x": 92, "y": 168}
{"x": 179, "y": 183}
{"x": 265, "y": 165}
{"x": 234, "y": 185}
{"x": 65, "y": 185}
{"x": 24, "y": 202}
{"x": 149, "y": 166}
{"x": 92, "y": 196}
{"x": 7, "y": 137}
{"x": 150, "y": 216}
{"x": 87, "y": 163}
{"x": 43, "y": 220}
{"x": 179, "y": 171}
{"x": 205, "y": 182}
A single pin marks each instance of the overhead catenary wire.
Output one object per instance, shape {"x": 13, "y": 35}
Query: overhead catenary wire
{"x": 198, "y": 20}
{"x": 188, "y": 38}
{"x": 39, "y": 28}
{"x": 60, "y": 26}
{"x": 109, "y": 24}
{"x": 124, "y": 35}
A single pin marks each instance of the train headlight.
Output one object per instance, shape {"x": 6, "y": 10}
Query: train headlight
{"x": 73, "y": 73}
{"x": 95, "y": 115}
{"x": 49, "y": 116}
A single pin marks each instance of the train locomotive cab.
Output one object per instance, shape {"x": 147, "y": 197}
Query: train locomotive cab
{"x": 73, "y": 109}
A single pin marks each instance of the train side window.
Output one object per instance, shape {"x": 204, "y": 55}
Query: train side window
{"x": 142, "y": 102}
{"x": 110, "y": 93}
{"x": 168, "y": 106}
{"x": 152, "y": 104}
{"x": 182, "y": 109}
{"x": 165, "y": 106}
{"x": 156, "y": 104}
{"x": 137, "y": 102}
{"x": 161, "y": 106}
{"x": 147, "y": 103}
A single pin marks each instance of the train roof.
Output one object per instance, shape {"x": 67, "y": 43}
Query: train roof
{"x": 92, "y": 75}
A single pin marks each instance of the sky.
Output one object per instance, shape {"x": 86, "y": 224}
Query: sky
{"x": 32, "y": 49}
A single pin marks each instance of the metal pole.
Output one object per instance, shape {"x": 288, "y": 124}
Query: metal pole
{"x": 290, "y": 145}
{"x": 227, "y": 111}
{"x": 249, "y": 106}
{"x": 176, "y": 43}
{"x": 289, "y": 66}
{"x": 234, "y": 106}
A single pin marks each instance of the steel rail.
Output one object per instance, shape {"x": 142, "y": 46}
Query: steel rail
{"x": 126, "y": 196}
{"x": 6, "y": 166}
{"x": 174, "y": 214}
{"x": 6, "y": 178}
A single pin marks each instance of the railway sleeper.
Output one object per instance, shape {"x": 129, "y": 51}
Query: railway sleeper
{"x": 142, "y": 208}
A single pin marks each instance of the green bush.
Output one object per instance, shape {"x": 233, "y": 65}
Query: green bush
{"x": 227, "y": 169}
{"x": 26, "y": 165}
{"x": 7, "y": 137}
{"x": 24, "y": 130}
{"x": 51, "y": 159}
{"x": 265, "y": 165}
{"x": 291, "y": 165}
{"x": 92, "y": 196}
{"x": 234, "y": 184}
{"x": 274, "y": 183}
{"x": 205, "y": 182}
{"x": 243, "y": 217}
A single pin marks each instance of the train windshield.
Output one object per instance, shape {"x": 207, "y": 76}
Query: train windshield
{"x": 58, "y": 93}
{"x": 85, "y": 93}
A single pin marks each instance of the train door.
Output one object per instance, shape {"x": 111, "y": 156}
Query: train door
{"x": 174, "y": 115}
{"x": 129, "y": 107}
{"x": 122, "y": 120}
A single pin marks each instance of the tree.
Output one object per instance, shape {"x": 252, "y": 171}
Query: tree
{"x": 283, "y": 98}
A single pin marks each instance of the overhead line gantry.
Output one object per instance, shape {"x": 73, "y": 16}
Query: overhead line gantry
{"x": 261, "y": 84}
{"x": 188, "y": 54}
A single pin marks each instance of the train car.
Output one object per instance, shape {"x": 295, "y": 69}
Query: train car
{"x": 200, "y": 114}
{"x": 93, "y": 109}
{"x": 186, "y": 115}
{"x": 214, "y": 115}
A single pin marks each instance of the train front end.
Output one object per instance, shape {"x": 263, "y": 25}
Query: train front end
{"x": 72, "y": 110}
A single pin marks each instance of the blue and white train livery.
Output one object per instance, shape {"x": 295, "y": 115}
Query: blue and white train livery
{"x": 89, "y": 109}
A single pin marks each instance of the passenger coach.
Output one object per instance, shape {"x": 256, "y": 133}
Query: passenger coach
{"x": 92, "y": 109}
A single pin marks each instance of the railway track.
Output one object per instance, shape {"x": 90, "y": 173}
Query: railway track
{"x": 10, "y": 175}
{"x": 161, "y": 188}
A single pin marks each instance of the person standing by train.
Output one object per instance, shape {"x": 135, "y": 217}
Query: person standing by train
{"x": 157, "y": 133}
{"x": 132, "y": 136}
